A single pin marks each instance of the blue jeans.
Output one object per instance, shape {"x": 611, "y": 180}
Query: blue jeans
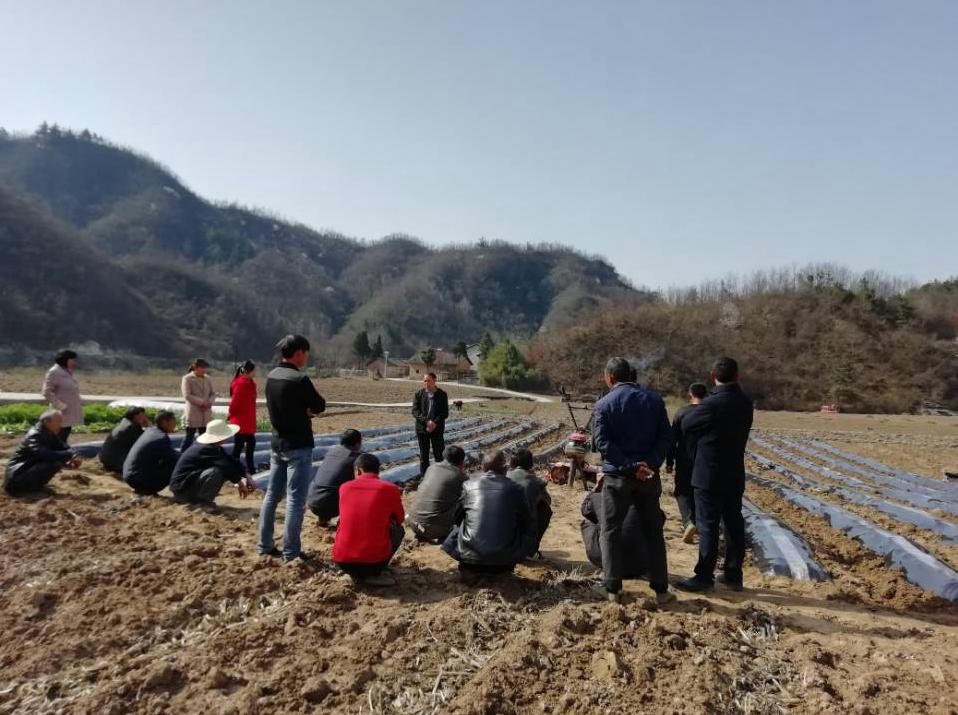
{"x": 299, "y": 464}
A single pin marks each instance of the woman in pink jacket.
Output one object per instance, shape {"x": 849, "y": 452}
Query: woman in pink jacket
{"x": 62, "y": 391}
{"x": 199, "y": 396}
{"x": 242, "y": 412}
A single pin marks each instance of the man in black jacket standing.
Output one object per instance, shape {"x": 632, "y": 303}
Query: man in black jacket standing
{"x": 430, "y": 407}
{"x": 717, "y": 432}
{"x": 678, "y": 460}
{"x": 293, "y": 402}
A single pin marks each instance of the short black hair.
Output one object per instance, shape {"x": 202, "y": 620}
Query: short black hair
{"x": 351, "y": 438}
{"x": 292, "y": 344}
{"x": 697, "y": 389}
{"x": 454, "y": 455}
{"x": 165, "y": 416}
{"x": 725, "y": 369}
{"x": 432, "y": 375}
{"x": 523, "y": 458}
{"x": 64, "y": 356}
{"x": 619, "y": 368}
{"x": 133, "y": 412}
{"x": 495, "y": 462}
{"x": 368, "y": 463}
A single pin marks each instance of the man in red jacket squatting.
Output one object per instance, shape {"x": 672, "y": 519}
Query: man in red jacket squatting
{"x": 370, "y": 524}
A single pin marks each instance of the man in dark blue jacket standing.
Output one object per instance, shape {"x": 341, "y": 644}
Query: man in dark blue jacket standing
{"x": 716, "y": 432}
{"x": 631, "y": 430}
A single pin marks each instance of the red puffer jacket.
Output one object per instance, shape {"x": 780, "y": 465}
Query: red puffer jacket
{"x": 242, "y": 410}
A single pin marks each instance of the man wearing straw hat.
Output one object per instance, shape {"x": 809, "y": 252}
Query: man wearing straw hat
{"x": 205, "y": 465}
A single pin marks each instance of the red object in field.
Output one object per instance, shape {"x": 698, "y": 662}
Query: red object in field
{"x": 831, "y": 409}
{"x": 558, "y": 473}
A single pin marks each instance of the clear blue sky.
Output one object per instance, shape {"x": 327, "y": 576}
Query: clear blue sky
{"x": 682, "y": 140}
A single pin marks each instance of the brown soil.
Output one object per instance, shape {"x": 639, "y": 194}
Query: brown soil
{"x": 114, "y": 606}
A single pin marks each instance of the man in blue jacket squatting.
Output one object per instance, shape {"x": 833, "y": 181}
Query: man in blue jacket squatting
{"x": 631, "y": 431}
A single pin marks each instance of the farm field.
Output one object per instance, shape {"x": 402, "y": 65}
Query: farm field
{"x": 113, "y": 605}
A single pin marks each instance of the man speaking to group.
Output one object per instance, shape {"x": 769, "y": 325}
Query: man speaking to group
{"x": 430, "y": 407}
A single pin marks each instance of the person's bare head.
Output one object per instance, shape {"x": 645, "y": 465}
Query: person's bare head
{"x": 522, "y": 459}
{"x": 199, "y": 367}
{"x": 295, "y": 350}
{"x": 352, "y": 440}
{"x": 166, "y": 421}
{"x": 617, "y": 370}
{"x": 138, "y": 416}
{"x": 454, "y": 455}
{"x": 429, "y": 381}
{"x": 52, "y": 421}
{"x": 494, "y": 462}
{"x": 67, "y": 359}
{"x": 697, "y": 392}
{"x": 725, "y": 371}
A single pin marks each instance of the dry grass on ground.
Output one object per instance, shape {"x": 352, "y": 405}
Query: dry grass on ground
{"x": 114, "y": 606}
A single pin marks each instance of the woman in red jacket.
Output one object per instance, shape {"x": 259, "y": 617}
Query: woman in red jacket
{"x": 242, "y": 412}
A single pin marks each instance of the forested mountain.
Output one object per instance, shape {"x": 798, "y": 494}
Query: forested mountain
{"x": 104, "y": 244}
{"x": 803, "y": 337}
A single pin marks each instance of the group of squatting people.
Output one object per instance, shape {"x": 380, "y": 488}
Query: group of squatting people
{"x": 488, "y": 522}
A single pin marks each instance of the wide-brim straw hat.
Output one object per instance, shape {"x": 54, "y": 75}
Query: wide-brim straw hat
{"x": 217, "y": 431}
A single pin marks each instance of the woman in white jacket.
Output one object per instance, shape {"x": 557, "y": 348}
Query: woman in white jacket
{"x": 62, "y": 391}
{"x": 198, "y": 393}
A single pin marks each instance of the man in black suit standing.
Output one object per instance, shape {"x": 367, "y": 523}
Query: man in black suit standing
{"x": 716, "y": 432}
{"x": 430, "y": 407}
{"x": 677, "y": 460}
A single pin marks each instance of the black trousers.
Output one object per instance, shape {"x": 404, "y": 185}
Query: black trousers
{"x": 543, "y": 519}
{"x": 326, "y": 503}
{"x": 396, "y": 535}
{"x": 434, "y": 441}
{"x": 619, "y": 492}
{"x": 711, "y": 510}
{"x": 31, "y": 479}
{"x": 247, "y": 442}
{"x": 203, "y": 488}
{"x": 190, "y": 437}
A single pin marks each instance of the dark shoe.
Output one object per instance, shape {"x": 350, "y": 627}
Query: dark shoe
{"x": 605, "y": 594}
{"x": 733, "y": 584}
{"x": 664, "y": 597}
{"x": 380, "y": 580}
{"x": 274, "y": 552}
{"x": 302, "y": 556}
{"x": 694, "y": 585}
